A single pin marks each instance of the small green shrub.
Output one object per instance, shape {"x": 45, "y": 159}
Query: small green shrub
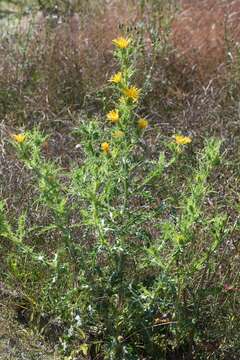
{"x": 127, "y": 264}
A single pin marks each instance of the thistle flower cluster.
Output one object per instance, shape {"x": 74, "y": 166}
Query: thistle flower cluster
{"x": 122, "y": 115}
{"x": 129, "y": 94}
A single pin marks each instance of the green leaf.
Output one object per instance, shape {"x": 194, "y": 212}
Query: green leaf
{"x": 84, "y": 349}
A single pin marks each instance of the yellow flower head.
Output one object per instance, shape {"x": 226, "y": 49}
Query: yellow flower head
{"x": 142, "y": 123}
{"x": 132, "y": 93}
{"x": 182, "y": 140}
{"x": 19, "y": 138}
{"x": 113, "y": 116}
{"x": 121, "y": 42}
{"x": 117, "y": 78}
{"x": 105, "y": 147}
{"x": 118, "y": 134}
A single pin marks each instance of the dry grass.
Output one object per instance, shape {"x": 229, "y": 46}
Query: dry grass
{"x": 49, "y": 68}
{"x": 16, "y": 341}
{"x": 204, "y": 32}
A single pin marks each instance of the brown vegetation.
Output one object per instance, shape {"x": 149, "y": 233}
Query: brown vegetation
{"x": 61, "y": 60}
{"x": 205, "y": 33}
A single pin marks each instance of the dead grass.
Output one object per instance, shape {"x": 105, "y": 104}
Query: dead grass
{"x": 205, "y": 32}
{"x": 53, "y": 64}
{"x": 18, "y": 342}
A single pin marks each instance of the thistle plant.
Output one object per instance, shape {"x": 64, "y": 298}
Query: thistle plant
{"x": 126, "y": 257}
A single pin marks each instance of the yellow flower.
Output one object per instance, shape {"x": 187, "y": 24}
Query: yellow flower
{"x": 105, "y": 147}
{"x": 117, "y": 78}
{"x": 19, "y": 138}
{"x": 121, "y": 42}
{"x": 142, "y": 123}
{"x": 182, "y": 140}
{"x": 113, "y": 116}
{"x": 132, "y": 93}
{"x": 118, "y": 134}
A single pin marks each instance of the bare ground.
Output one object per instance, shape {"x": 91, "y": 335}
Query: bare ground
{"x": 18, "y": 342}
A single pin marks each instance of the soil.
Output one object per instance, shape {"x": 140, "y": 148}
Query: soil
{"x": 18, "y": 342}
